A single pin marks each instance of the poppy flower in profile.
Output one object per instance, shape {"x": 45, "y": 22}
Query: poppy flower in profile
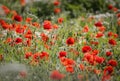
{"x": 115, "y": 35}
{"x": 56, "y": 75}
{"x": 57, "y": 10}
{"x": 110, "y": 6}
{"x": 60, "y": 20}
{"x": 86, "y": 49}
{"x": 69, "y": 69}
{"x": 94, "y": 42}
{"x": 22, "y": 2}
{"x": 28, "y": 42}
{"x": 47, "y": 25}
{"x": 36, "y": 24}
{"x": 110, "y": 34}
{"x": 115, "y": 9}
{"x": 56, "y": 2}
{"x": 99, "y": 35}
{"x": 28, "y": 54}
{"x": 18, "y": 18}
{"x": 18, "y": 40}
{"x": 96, "y": 71}
{"x": 8, "y": 40}
{"x": 85, "y": 29}
{"x": 112, "y": 62}
{"x": 102, "y": 29}
{"x": 70, "y": 41}
{"x": 98, "y": 24}
{"x": 28, "y": 20}
{"x": 118, "y": 15}
{"x": 82, "y": 67}
{"x": 55, "y": 26}
{"x": 6, "y": 9}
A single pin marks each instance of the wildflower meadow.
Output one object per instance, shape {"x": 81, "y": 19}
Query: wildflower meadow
{"x": 59, "y": 40}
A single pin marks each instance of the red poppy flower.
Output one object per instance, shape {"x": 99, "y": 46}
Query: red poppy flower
{"x": 118, "y": 15}
{"x": 94, "y": 42}
{"x": 70, "y": 41}
{"x": 115, "y": 35}
{"x": 99, "y": 60}
{"x": 115, "y": 9}
{"x": 85, "y": 29}
{"x": 28, "y": 19}
{"x": 28, "y": 34}
{"x": 57, "y": 10}
{"x": 47, "y": 25}
{"x": 108, "y": 53}
{"x": 36, "y": 56}
{"x": 70, "y": 69}
{"x": 28, "y": 54}
{"x": 8, "y": 40}
{"x": 56, "y": 2}
{"x": 44, "y": 55}
{"x": 56, "y": 75}
{"x": 87, "y": 56}
{"x": 67, "y": 61}
{"x": 99, "y": 34}
{"x": 110, "y": 34}
{"x": 108, "y": 70}
{"x": 102, "y": 29}
{"x": 110, "y": 6}
{"x": 98, "y": 24}
{"x": 5, "y": 26}
{"x": 29, "y": 31}
{"x": 44, "y": 37}
{"x": 20, "y": 30}
{"x": 62, "y": 53}
{"x": 36, "y": 24}
{"x": 55, "y": 26}
{"x": 22, "y": 2}
{"x": 96, "y": 71}
{"x": 112, "y": 62}
{"x": 18, "y": 18}
{"x": 86, "y": 49}
{"x": 60, "y": 20}
{"x": 112, "y": 42}
{"x": 18, "y": 40}
{"x": 95, "y": 52}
